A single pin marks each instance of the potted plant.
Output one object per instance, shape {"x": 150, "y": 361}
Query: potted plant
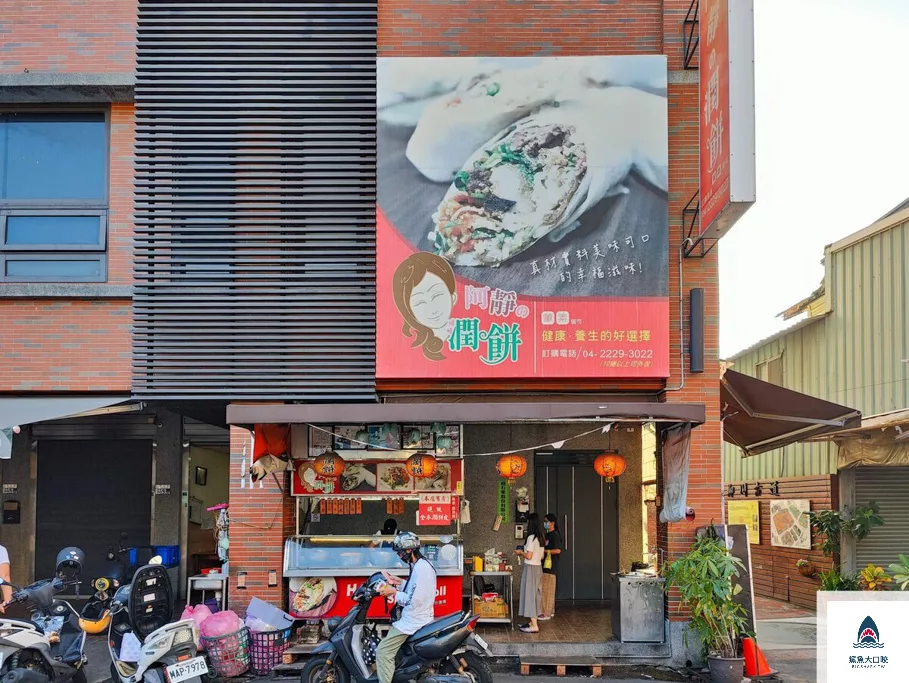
{"x": 806, "y": 568}
{"x": 901, "y": 572}
{"x": 874, "y": 578}
{"x": 835, "y": 580}
{"x": 703, "y": 577}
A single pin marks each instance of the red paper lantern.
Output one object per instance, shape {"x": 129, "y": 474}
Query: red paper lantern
{"x": 421, "y": 465}
{"x": 609, "y": 465}
{"x": 329, "y": 464}
{"x": 512, "y": 466}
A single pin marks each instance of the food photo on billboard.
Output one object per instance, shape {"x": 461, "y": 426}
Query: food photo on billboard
{"x": 522, "y": 217}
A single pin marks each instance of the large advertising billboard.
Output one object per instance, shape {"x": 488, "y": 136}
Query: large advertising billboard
{"x": 522, "y": 218}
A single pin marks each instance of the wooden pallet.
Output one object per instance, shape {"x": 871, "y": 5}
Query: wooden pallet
{"x": 562, "y": 664}
{"x": 295, "y": 653}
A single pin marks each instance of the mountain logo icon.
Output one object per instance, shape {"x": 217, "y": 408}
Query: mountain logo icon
{"x": 868, "y": 635}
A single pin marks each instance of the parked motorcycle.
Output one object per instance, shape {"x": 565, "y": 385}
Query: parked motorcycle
{"x": 446, "y": 650}
{"x": 143, "y": 644}
{"x": 50, "y": 648}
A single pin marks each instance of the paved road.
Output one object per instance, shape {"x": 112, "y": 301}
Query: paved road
{"x": 789, "y": 646}
{"x": 98, "y": 655}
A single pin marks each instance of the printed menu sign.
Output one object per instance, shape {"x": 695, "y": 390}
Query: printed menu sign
{"x": 435, "y": 509}
{"x": 371, "y": 477}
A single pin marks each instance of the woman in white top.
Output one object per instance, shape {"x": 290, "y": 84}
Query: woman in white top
{"x": 531, "y": 603}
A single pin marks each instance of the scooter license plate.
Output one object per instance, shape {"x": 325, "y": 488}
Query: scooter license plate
{"x": 183, "y": 671}
{"x": 480, "y": 642}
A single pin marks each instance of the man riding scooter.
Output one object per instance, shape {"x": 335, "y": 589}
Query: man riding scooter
{"x": 413, "y": 602}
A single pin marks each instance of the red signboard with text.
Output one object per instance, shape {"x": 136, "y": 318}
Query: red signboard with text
{"x": 435, "y": 509}
{"x": 334, "y": 597}
{"x": 714, "y": 103}
{"x": 522, "y": 218}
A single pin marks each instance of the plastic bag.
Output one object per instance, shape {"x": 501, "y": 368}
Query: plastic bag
{"x": 198, "y": 614}
{"x": 257, "y": 625}
{"x": 221, "y": 624}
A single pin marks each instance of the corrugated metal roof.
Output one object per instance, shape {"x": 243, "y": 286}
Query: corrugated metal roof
{"x": 854, "y": 357}
{"x": 773, "y": 337}
{"x": 899, "y": 214}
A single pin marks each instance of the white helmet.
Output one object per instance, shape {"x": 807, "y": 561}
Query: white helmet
{"x": 406, "y": 541}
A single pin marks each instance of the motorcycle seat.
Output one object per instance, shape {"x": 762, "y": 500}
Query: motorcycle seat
{"x": 434, "y": 627}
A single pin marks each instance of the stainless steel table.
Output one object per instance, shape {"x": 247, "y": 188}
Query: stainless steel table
{"x": 507, "y": 593}
{"x": 208, "y": 583}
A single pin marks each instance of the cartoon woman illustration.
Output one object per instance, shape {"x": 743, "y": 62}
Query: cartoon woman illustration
{"x": 425, "y": 292}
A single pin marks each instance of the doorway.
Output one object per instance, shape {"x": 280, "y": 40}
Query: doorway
{"x": 588, "y": 512}
{"x": 208, "y": 484}
{"x": 89, "y": 492}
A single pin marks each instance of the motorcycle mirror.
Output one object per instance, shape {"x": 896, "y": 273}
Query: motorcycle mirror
{"x": 157, "y": 559}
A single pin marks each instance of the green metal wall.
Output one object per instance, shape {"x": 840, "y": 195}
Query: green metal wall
{"x": 852, "y": 356}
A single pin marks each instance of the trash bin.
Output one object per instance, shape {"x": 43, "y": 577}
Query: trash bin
{"x": 229, "y": 655}
{"x": 267, "y": 650}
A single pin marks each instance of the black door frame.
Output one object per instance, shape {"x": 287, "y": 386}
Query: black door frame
{"x": 573, "y": 459}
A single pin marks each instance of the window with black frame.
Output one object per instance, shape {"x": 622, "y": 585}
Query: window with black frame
{"x": 53, "y": 196}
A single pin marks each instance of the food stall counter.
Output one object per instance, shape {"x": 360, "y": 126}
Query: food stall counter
{"x": 325, "y": 571}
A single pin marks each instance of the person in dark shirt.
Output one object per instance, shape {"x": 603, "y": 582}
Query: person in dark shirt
{"x": 553, "y": 552}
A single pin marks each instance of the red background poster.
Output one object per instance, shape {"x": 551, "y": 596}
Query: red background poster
{"x": 522, "y": 218}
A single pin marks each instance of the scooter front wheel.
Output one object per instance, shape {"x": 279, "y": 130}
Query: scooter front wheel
{"x": 318, "y": 670}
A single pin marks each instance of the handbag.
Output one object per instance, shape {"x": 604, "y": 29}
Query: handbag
{"x": 547, "y": 562}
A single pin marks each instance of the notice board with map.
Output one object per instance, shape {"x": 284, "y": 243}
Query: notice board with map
{"x": 790, "y": 526}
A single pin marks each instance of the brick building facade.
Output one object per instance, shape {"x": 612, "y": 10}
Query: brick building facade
{"x": 69, "y": 338}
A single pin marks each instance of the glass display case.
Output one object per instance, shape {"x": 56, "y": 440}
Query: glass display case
{"x": 310, "y": 555}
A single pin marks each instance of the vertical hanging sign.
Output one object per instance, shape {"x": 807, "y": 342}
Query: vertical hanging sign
{"x": 503, "y": 501}
{"x": 726, "y": 99}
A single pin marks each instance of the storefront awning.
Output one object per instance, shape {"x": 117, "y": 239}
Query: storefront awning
{"x": 759, "y": 416}
{"x": 25, "y": 410}
{"x": 462, "y": 413}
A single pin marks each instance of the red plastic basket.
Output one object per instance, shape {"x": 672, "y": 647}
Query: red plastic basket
{"x": 267, "y": 650}
{"x": 229, "y": 655}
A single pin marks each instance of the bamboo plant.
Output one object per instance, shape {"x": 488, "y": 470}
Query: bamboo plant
{"x": 704, "y": 579}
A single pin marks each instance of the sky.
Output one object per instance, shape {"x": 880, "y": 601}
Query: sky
{"x": 832, "y": 127}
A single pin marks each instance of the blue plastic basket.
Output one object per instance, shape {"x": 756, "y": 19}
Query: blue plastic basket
{"x": 170, "y": 554}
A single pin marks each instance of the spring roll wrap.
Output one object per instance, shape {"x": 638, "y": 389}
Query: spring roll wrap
{"x": 454, "y": 126}
{"x": 540, "y": 175}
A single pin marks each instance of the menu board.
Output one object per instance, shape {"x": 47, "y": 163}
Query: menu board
{"x": 376, "y": 477}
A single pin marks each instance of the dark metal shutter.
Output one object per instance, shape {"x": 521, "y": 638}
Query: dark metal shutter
{"x": 89, "y": 492}
{"x": 889, "y": 487}
{"x": 255, "y": 200}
